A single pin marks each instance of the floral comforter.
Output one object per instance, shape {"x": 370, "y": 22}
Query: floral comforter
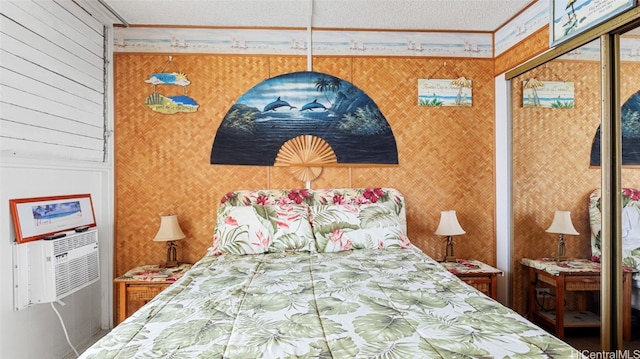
{"x": 630, "y": 229}
{"x": 392, "y": 303}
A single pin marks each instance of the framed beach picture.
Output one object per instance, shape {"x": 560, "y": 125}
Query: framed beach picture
{"x": 547, "y": 94}
{"x": 38, "y": 217}
{"x": 569, "y": 18}
{"x": 451, "y": 92}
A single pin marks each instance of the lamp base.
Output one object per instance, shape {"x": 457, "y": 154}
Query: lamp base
{"x": 170, "y": 264}
{"x": 561, "y": 249}
{"x": 449, "y": 257}
{"x": 172, "y": 260}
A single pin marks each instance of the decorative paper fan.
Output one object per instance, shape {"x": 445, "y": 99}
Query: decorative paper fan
{"x": 302, "y": 151}
{"x": 298, "y": 104}
{"x": 306, "y": 173}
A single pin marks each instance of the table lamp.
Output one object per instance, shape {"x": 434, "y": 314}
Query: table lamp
{"x": 170, "y": 232}
{"x": 562, "y": 225}
{"x": 449, "y": 227}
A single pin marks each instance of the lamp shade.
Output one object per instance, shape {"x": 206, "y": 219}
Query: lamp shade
{"x": 449, "y": 225}
{"x": 562, "y": 224}
{"x": 169, "y": 229}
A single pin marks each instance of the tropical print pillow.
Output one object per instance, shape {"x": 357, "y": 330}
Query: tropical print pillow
{"x": 240, "y": 230}
{"x": 258, "y": 229}
{"x": 291, "y": 228}
{"x": 317, "y": 197}
{"x": 346, "y": 227}
{"x": 630, "y": 228}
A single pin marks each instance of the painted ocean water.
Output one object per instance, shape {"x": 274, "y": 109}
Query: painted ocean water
{"x": 261, "y": 147}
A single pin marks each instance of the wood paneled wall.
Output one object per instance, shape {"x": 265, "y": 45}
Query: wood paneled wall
{"x": 527, "y": 49}
{"x": 52, "y": 83}
{"x": 446, "y": 154}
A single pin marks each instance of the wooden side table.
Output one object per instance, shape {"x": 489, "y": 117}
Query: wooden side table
{"x": 481, "y": 276}
{"x": 141, "y": 284}
{"x": 573, "y": 275}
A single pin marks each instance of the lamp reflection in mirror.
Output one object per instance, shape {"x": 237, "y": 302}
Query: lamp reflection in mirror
{"x": 449, "y": 227}
{"x": 562, "y": 225}
{"x": 170, "y": 232}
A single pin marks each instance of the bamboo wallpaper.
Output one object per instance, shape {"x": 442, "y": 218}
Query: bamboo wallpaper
{"x": 446, "y": 154}
{"x": 529, "y": 48}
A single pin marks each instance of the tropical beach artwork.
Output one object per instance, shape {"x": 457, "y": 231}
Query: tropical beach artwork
{"x": 547, "y": 94}
{"x": 170, "y": 104}
{"x": 304, "y": 118}
{"x": 35, "y": 218}
{"x": 57, "y": 213}
{"x": 439, "y": 92}
{"x": 630, "y": 128}
{"x": 572, "y": 17}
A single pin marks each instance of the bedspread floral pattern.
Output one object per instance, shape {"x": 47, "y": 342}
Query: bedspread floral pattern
{"x": 394, "y": 303}
{"x": 631, "y": 252}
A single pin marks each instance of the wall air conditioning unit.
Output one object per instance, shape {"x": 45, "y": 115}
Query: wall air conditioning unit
{"x": 48, "y": 270}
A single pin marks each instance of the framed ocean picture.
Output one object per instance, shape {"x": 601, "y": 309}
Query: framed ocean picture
{"x": 38, "y": 217}
{"x": 547, "y": 94}
{"x": 569, "y": 18}
{"x": 443, "y": 92}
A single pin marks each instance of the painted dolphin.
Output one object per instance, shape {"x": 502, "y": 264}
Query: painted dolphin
{"x": 311, "y": 105}
{"x": 277, "y": 103}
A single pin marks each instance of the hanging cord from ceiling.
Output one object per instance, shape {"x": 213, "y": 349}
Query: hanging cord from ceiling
{"x": 310, "y": 52}
{"x": 309, "y": 38}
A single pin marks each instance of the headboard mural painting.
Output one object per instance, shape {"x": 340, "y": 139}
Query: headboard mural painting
{"x": 304, "y": 120}
{"x": 630, "y": 122}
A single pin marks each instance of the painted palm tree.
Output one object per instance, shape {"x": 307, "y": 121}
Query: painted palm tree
{"x": 460, "y": 83}
{"x": 534, "y": 84}
{"x": 325, "y": 85}
{"x": 335, "y": 84}
{"x": 322, "y": 85}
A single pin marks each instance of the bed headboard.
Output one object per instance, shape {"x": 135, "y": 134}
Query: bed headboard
{"x": 314, "y": 197}
{"x": 630, "y": 222}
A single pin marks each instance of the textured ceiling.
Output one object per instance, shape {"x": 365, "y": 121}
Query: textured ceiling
{"x": 465, "y": 15}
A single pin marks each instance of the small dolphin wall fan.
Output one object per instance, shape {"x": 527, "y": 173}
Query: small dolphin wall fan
{"x": 306, "y": 121}
{"x": 170, "y": 104}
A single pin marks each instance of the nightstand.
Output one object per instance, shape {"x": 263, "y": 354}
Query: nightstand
{"x": 140, "y": 284}
{"x": 572, "y": 275}
{"x": 481, "y": 276}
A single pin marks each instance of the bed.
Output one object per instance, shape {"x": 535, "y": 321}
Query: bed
{"x": 326, "y": 273}
{"x": 630, "y": 234}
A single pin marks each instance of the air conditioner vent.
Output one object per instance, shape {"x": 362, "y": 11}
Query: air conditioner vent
{"x": 56, "y": 268}
{"x": 73, "y": 242}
